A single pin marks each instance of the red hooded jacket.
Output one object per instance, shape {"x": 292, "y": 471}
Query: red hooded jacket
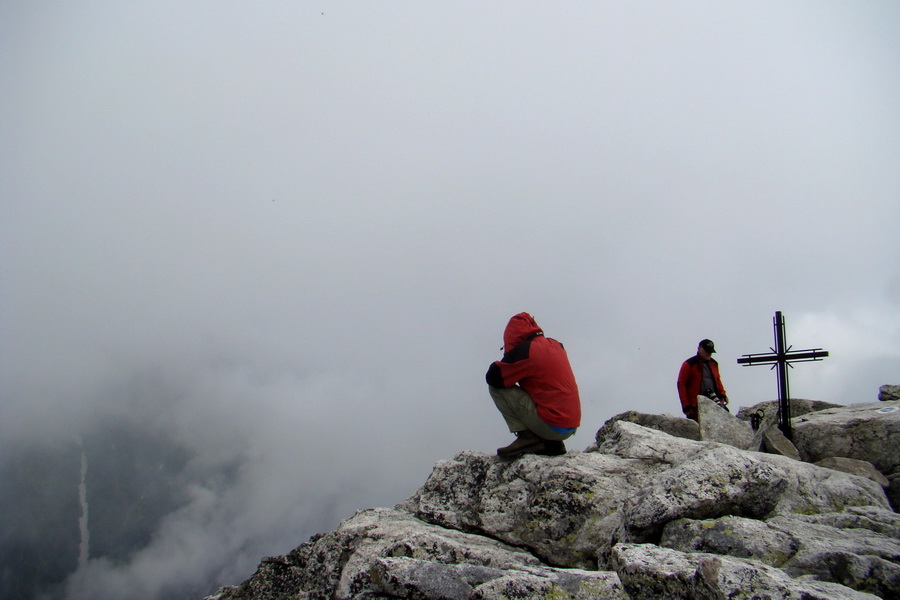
{"x": 541, "y": 367}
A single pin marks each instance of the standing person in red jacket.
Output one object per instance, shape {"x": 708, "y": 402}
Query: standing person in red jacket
{"x": 534, "y": 389}
{"x": 699, "y": 376}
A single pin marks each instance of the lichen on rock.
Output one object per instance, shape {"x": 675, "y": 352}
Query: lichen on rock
{"x": 639, "y": 514}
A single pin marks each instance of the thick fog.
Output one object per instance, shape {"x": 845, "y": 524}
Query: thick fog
{"x": 282, "y": 239}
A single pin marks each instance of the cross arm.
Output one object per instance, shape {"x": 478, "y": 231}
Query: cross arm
{"x": 758, "y": 359}
{"x": 793, "y": 356}
{"x": 806, "y": 355}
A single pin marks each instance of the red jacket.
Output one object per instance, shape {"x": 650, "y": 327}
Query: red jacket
{"x": 541, "y": 367}
{"x": 690, "y": 378}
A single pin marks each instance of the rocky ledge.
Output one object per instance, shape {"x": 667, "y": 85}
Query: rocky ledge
{"x": 658, "y": 507}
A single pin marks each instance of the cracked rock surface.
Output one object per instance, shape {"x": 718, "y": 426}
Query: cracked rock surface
{"x": 639, "y": 514}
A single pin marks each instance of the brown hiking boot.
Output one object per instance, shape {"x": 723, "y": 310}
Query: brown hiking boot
{"x": 552, "y": 448}
{"x": 526, "y": 441}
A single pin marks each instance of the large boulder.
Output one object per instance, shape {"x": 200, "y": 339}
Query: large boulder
{"x": 862, "y": 431}
{"x": 719, "y": 425}
{"x": 677, "y": 426}
{"x": 649, "y": 571}
{"x": 721, "y": 480}
{"x": 381, "y": 553}
{"x": 863, "y": 468}
{"x": 858, "y": 548}
{"x": 640, "y": 514}
{"x": 563, "y": 509}
{"x": 767, "y": 436}
{"x": 799, "y": 406}
{"x": 775, "y": 442}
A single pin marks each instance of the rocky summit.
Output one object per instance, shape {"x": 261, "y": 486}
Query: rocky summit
{"x": 658, "y": 507}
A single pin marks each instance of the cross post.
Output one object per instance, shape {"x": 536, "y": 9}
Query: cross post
{"x": 781, "y": 358}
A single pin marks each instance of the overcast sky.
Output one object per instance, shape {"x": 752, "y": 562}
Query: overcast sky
{"x": 296, "y": 230}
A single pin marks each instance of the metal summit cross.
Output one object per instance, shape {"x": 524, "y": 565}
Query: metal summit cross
{"x": 782, "y": 357}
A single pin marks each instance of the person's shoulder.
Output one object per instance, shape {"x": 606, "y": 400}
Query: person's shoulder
{"x": 692, "y": 360}
{"x": 549, "y": 342}
{"x": 520, "y": 352}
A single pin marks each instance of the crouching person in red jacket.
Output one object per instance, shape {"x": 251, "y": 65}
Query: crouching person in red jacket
{"x": 534, "y": 389}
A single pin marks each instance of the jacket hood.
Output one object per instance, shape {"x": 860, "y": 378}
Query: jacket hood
{"x": 520, "y": 327}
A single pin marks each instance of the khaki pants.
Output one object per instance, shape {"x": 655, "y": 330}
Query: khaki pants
{"x": 520, "y": 413}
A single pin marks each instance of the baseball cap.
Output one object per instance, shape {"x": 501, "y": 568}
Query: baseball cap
{"x": 708, "y": 346}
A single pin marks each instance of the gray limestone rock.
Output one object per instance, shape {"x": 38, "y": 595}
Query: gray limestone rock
{"x": 639, "y": 479}
{"x": 833, "y": 547}
{"x": 627, "y": 440}
{"x": 769, "y": 415}
{"x": 888, "y": 393}
{"x": 379, "y": 550}
{"x": 719, "y": 425}
{"x": 569, "y": 584}
{"x": 561, "y": 508}
{"x": 799, "y": 406}
{"x": 643, "y": 514}
{"x": 863, "y": 468}
{"x": 774, "y": 442}
{"x": 276, "y": 577}
{"x": 405, "y": 577}
{"x": 650, "y": 571}
{"x": 677, "y": 426}
{"x": 874, "y": 519}
{"x": 733, "y": 536}
{"x": 722, "y": 480}
{"x": 858, "y": 558}
{"x": 868, "y": 432}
